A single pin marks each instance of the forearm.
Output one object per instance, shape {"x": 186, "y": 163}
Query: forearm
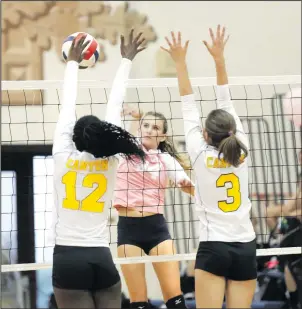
{"x": 284, "y": 209}
{"x": 184, "y": 83}
{"x": 221, "y": 72}
{"x": 67, "y": 117}
{"x": 118, "y": 91}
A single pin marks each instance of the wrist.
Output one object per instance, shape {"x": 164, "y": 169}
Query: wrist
{"x": 72, "y": 61}
{"x": 219, "y": 61}
{"x": 181, "y": 65}
{"x": 127, "y": 58}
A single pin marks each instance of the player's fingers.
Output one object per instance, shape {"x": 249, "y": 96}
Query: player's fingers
{"x": 140, "y": 42}
{"x": 218, "y": 32}
{"x": 222, "y": 34}
{"x": 73, "y": 43}
{"x": 137, "y": 38}
{"x": 179, "y": 38}
{"x": 122, "y": 41}
{"x": 131, "y": 36}
{"x": 165, "y": 49}
{"x": 212, "y": 35}
{"x": 83, "y": 55}
{"x": 173, "y": 38}
{"x": 81, "y": 41}
{"x": 206, "y": 45}
{"x": 85, "y": 45}
{"x": 187, "y": 45}
{"x": 226, "y": 40}
{"x": 140, "y": 49}
{"x": 169, "y": 43}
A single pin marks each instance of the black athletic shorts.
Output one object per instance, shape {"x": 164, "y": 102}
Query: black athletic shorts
{"x": 143, "y": 232}
{"x": 83, "y": 268}
{"x": 232, "y": 260}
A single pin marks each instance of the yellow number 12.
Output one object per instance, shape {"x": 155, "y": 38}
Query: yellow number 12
{"x": 233, "y": 192}
{"x": 91, "y": 202}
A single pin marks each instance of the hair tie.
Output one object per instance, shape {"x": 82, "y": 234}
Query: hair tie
{"x": 231, "y": 133}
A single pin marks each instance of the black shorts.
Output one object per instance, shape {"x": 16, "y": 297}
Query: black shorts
{"x": 143, "y": 232}
{"x": 83, "y": 268}
{"x": 232, "y": 260}
{"x": 292, "y": 239}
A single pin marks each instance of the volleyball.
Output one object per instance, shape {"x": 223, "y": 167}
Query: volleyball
{"x": 92, "y": 50}
{"x": 292, "y": 106}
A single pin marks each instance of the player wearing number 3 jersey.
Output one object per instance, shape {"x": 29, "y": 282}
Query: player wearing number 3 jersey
{"x": 86, "y": 155}
{"x": 226, "y": 257}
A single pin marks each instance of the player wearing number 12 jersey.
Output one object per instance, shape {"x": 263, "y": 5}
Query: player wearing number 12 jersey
{"x": 226, "y": 257}
{"x": 85, "y": 157}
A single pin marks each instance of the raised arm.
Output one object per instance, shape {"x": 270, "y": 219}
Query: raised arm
{"x": 195, "y": 142}
{"x": 118, "y": 90}
{"x": 223, "y": 93}
{"x": 67, "y": 117}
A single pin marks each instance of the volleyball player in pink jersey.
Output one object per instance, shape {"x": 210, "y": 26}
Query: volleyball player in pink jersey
{"x": 140, "y": 199}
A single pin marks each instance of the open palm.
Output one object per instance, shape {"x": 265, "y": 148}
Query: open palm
{"x": 218, "y": 43}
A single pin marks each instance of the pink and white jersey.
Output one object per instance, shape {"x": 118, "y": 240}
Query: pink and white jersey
{"x": 221, "y": 190}
{"x": 142, "y": 185}
{"x": 83, "y": 184}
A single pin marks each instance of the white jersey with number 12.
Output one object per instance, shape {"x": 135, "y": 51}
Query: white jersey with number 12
{"x": 83, "y": 184}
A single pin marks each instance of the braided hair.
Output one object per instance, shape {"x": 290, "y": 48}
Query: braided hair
{"x": 104, "y": 139}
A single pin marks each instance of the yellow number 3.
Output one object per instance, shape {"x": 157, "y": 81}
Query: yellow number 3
{"x": 233, "y": 192}
{"x": 91, "y": 202}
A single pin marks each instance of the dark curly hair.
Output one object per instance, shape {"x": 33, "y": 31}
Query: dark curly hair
{"x": 104, "y": 139}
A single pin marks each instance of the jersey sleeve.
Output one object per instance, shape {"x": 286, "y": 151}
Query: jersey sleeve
{"x": 117, "y": 94}
{"x": 67, "y": 117}
{"x": 224, "y": 102}
{"x": 174, "y": 170}
{"x": 195, "y": 142}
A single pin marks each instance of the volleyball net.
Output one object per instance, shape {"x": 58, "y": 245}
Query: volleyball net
{"x": 30, "y": 111}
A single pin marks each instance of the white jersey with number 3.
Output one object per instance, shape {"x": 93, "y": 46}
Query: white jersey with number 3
{"x": 221, "y": 191}
{"x": 83, "y": 184}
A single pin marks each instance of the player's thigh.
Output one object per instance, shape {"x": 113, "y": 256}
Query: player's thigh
{"x": 209, "y": 289}
{"x": 240, "y": 294}
{"x": 110, "y": 297}
{"x": 242, "y": 275}
{"x": 243, "y": 261}
{"x": 289, "y": 280}
{"x": 105, "y": 272}
{"x": 211, "y": 268}
{"x": 134, "y": 274}
{"x": 167, "y": 272}
{"x": 72, "y": 268}
{"x": 73, "y": 299}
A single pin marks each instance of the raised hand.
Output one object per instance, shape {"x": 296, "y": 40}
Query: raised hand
{"x": 131, "y": 111}
{"x": 77, "y": 48}
{"x": 218, "y": 43}
{"x": 130, "y": 50}
{"x": 176, "y": 50}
